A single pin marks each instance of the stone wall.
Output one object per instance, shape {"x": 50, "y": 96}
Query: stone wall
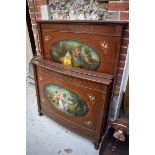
{"x": 77, "y": 10}
{"x": 88, "y": 10}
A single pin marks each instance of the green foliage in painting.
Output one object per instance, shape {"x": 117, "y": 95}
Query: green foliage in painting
{"x": 76, "y": 54}
{"x": 65, "y": 100}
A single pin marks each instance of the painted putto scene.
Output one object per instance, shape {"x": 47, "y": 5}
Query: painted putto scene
{"x": 65, "y": 100}
{"x": 75, "y": 54}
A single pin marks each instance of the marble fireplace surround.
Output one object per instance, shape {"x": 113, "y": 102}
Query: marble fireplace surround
{"x": 77, "y": 10}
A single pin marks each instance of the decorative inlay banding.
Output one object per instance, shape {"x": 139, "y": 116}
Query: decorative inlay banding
{"x": 104, "y": 45}
{"x": 67, "y": 78}
{"x": 47, "y": 38}
{"x": 41, "y": 78}
{"x": 88, "y": 123}
{"x": 92, "y": 98}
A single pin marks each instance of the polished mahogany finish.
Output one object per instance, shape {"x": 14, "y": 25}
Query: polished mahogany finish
{"x": 103, "y": 37}
{"x": 73, "y": 95}
{"x": 93, "y": 89}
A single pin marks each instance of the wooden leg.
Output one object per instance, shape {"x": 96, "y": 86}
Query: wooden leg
{"x": 96, "y": 145}
{"x": 40, "y": 113}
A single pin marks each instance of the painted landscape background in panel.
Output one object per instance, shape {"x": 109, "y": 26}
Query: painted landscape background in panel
{"x": 65, "y": 100}
{"x": 75, "y": 54}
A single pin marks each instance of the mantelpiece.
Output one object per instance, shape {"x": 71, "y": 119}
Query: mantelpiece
{"x": 74, "y": 73}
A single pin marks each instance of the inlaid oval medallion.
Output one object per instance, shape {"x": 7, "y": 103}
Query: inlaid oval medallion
{"x": 76, "y": 54}
{"x": 65, "y": 100}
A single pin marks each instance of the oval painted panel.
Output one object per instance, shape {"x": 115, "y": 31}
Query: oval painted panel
{"x": 65, "y": 100}
{"x": 76, "y": 54}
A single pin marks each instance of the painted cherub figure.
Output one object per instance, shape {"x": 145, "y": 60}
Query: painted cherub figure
{"x": 76, "y": 57}
{"x": 86, "y": 56}
{"x": 61, "y": 98}
{"x": 63, "y": 103}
